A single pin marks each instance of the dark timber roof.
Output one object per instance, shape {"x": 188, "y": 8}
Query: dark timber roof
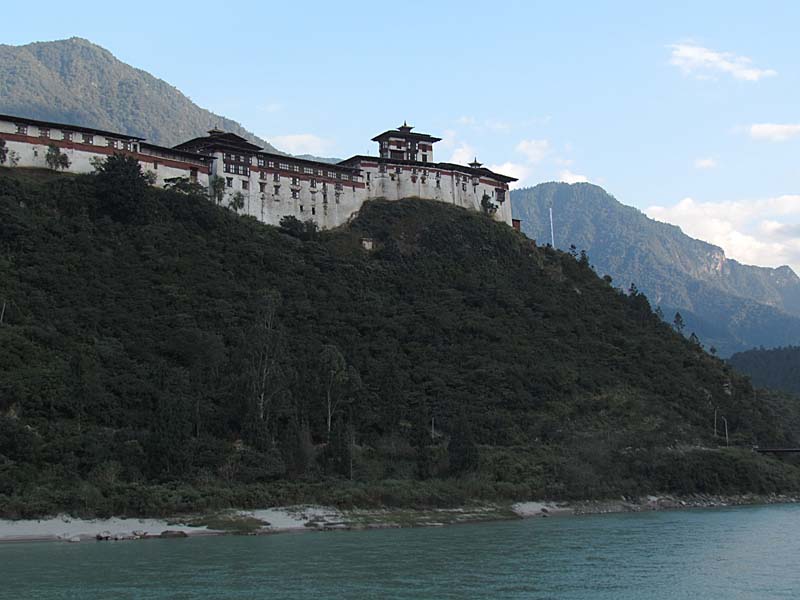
{"x": 145, "y": 146}
{"x": 423, "y": 137}
{"x": 226, "y": 141}
{"x": 68, "y": 127}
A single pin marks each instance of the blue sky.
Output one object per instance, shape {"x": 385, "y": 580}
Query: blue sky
{"x": 688, "y": 111}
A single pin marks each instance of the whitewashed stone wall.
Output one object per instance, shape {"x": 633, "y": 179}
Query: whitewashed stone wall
{"x": 32, "y": 152}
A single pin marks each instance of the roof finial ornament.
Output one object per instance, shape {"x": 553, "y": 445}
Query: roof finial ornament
{"x": 475, "y": 164}
{"x": 405, "y": 127}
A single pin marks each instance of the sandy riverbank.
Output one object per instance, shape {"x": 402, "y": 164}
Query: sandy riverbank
{"x": 320, "y": 518}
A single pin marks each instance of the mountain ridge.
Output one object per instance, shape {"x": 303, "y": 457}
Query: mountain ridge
{"x": 675, "y": 270}
{"x": 76, "y": 81}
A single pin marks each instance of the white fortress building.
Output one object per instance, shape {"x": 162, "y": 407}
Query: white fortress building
{"x": 270, "y": 185}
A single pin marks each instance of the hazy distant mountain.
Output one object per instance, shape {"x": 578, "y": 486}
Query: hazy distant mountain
{"x": 729, "y": 305}
{"x": 75, "y": 81}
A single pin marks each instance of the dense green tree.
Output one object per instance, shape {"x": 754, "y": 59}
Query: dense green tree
{"x": 55, "y": 159}
{"x": 216, "y": 188}
{"x": 3, "y": 151}
{"x": 678, "y": 323}
{"x": 121, "y": 188}
{"x": 236, "y": 203}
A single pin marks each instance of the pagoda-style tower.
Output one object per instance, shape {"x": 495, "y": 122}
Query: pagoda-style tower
{"x": 403, "y": 144}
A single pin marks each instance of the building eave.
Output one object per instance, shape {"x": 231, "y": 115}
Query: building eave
{"x": 68, "y": 127}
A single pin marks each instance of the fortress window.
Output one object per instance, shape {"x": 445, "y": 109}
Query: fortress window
{"x": 284, "y": 166}
{"x": 397, "y": 170}
{"x": 44, "y": 132}
{"x": 88, "y": 139}
{"x": 276, "y": 177}
{"x": 296, "y": 168}
{"x": 127, "y": 146}
{"x": 424, "y": 158}
{"x": 155, "y": 165}
{"x": 262, "y": 186}
{"x": 193, "y": 174}
{"x": 308, "y": 170}
{"x": 276, "y": 189}
{"x": 22, "y": 129}
{"x": 226, "y": 156}
{"x": 295, "y": 181}
{"x": 345, "y": 177}
{"x": 319, "y": 172}
{"x": 66, "y": 136}
{"x": 226, "y": 168}
{"x": 260, "y": 161}
{"x": 229, "y": 182}
{"x": 463, "y": 187}
{"x": 245, "y": 185}
{"x": 382, "y": 169}
{"x": 337, "y": 196}
{"x": 313, "y": 183}
{"x": 313, "y": 210}
{"x": 271, "y": 164}
{"x": 111, "y": 143}
{"x": 324, "y": 197}
{"x": 295, "y": 196}
{"x": 301, "y": 206}
{"x": 438, "y": 182}
{"x": 331, "y": 174}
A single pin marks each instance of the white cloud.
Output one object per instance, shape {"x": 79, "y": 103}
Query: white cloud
{"x": 705, "y": 163}
{"x": 568, "y": 176}
{"x": 463, "y": 154}
{"x": 302, "y": 143}
{"x": 774, "y": 132}
{"x": 762, "y": 232}
{"x": 494, "y": 125}
{"x": 703, "y": 63}
{"x": 534, "y": 150}
{"x": 520, "y": 171}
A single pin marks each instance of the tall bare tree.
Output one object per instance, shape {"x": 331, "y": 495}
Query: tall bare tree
{"x": 266, "y": 378}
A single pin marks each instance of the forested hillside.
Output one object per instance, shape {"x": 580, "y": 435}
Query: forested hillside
{"x": 730, "y": 306}
{"x": 77, "y": 82}
{"x": 775, "y": 368}
{"x": 160, "y": 353}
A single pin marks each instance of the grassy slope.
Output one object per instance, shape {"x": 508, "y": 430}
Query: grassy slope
{"x": 125, "y": 350}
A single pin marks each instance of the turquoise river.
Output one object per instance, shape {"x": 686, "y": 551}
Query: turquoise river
{"x": 736, "y": 553}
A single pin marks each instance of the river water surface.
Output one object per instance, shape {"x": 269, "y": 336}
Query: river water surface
{"x": 736, "y": 553}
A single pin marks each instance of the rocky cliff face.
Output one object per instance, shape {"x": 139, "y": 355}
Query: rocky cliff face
{"x": 730, "y": 305}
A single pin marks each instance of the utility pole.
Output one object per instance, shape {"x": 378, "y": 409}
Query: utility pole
{"x": 715, "y": 422}
{"x": 726, "y": 431}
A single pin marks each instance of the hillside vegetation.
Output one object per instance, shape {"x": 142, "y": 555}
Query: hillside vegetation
{"x": 159, "y": 353}
{"x": 75, "y": 81}
{"x": 774, "y": 368}
{"x": 728, "y": 305}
